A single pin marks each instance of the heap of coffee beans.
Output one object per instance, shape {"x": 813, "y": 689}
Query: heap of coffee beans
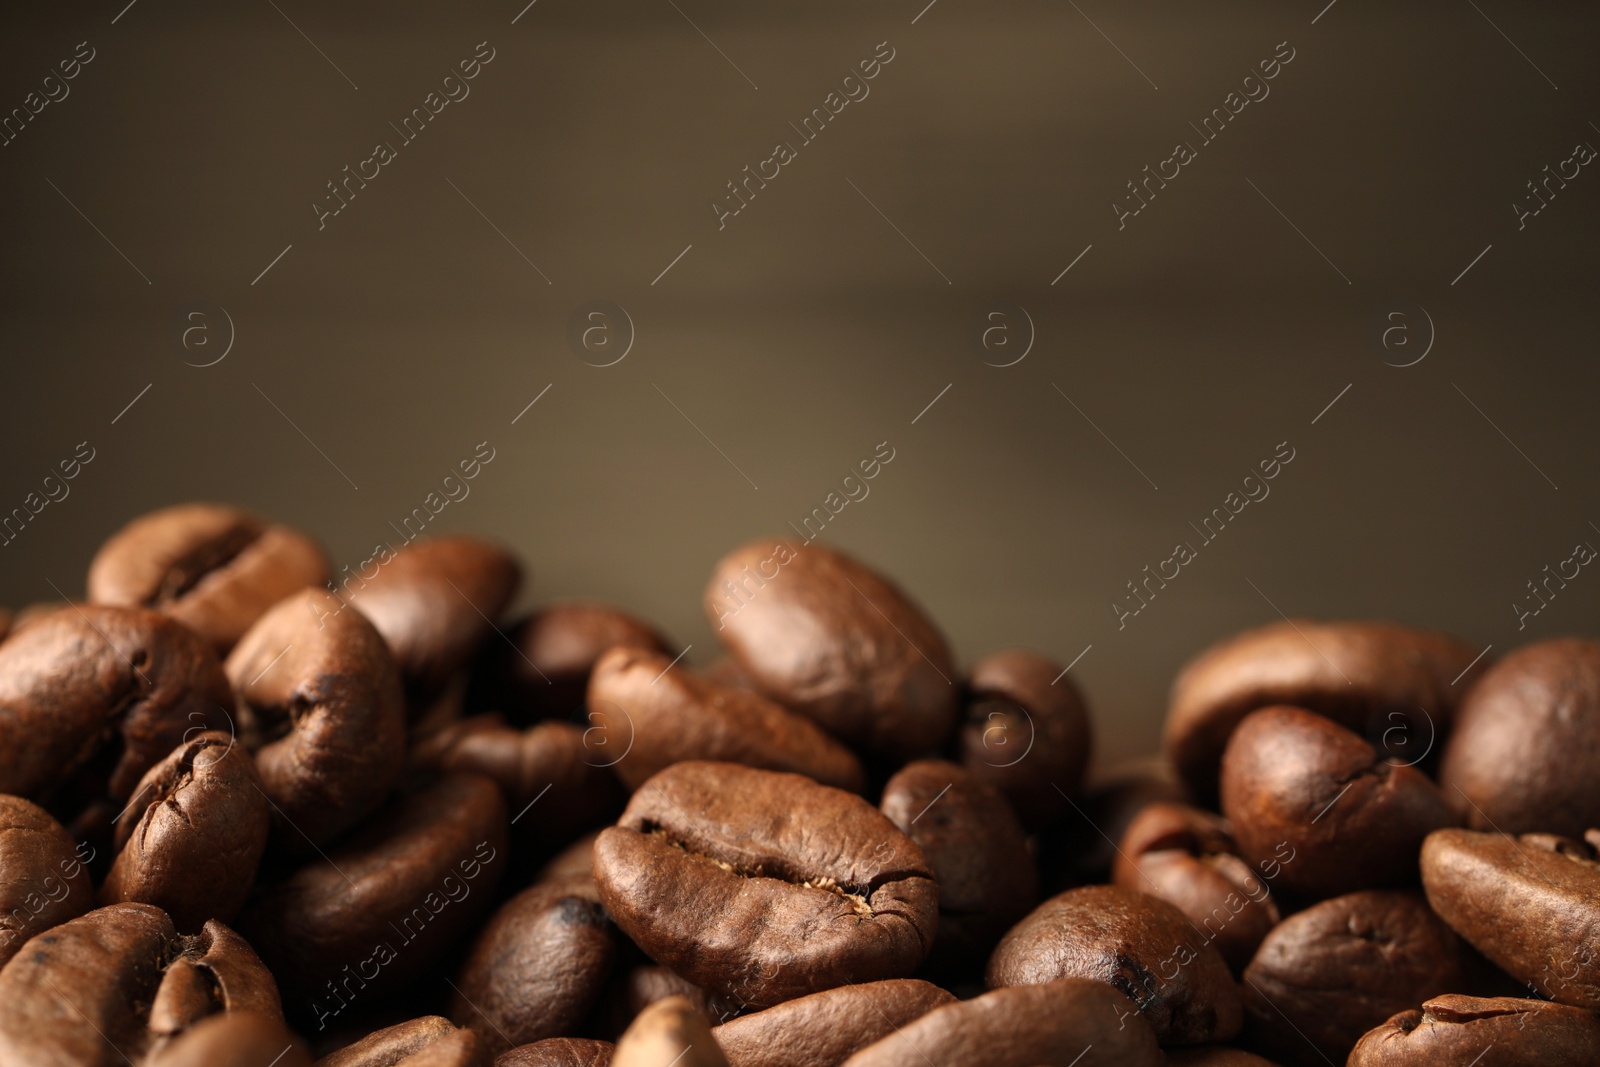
{"x": 256, "y": 815}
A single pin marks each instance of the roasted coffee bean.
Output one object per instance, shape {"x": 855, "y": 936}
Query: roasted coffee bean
{"x": 634, "y": 989}
{"x": 1026, "y": 733}
{"x": 576, "y": 858}
{"x": 1188, "y": 857}
{"x": 559, "y": 1052}
{"x": 669, "y": 1033}
{"x": 1385, "y": 681}
{"x": 542, "y": 668}
{"x": 1457, "y": 1031}
{"x": 392, "y": 1044}
{"x": 86, "y": 686}
{"x": 193, "y": 834}
{"x": 435, "y": 603}
{"x": 765, "y": 886}
{"x": 551, "y": 766}
{"x": 320, "y": 704}
{"x": 214, "y": 568}
{"x": 822, "y": 634}
{"x": 384, "y": 905}
{"x": 1317, "y": 807}
{"x": 459, "y": 1049}
{"x": 234, "y": 1039}
{"x": 1327, "y": 975}
{"x": 669, "y": 715}
{"x": 1214, "y": 1056}
{"x": 43, "y": 880}
{"x": 1531, "y": 904}
{"x": 111, "y": 985}
{"x": 825, "y": 1029}
{"x": 538, "y": 966}
{"x": 1524, "y": 754}
{"x": 1065, "y": 1023}
{"x": 978, "y": 851}
{"x": 1140, "y": 945}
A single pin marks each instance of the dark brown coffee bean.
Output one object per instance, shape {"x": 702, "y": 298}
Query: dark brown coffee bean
{"x": 542, "y": 668}
{"x": 1066, "y": 1023}
{"x": 765, "y": 886}
{"x": 538, "y": 966}
{"x": 1027, "y": 733}
{"x": 192, "y": 837}
{"x": 825, "y": 1029}
{"x": 1317, "y": 807}
{"x": 215, "y": 970}
{"x": 215, "y": 569}
{"x": 435, "y": 603}
{"x": 1140, "y": 945}
{"x": 1524, "y": 754}
{"x": 43, "y": 880}
{"x": 576, "y": 858}
{"x": 669, "y": 1033}
{"x": 559, "y": 1052}
{"x": 670, "y": 716}
{"x": 385, "y": 904}
{"x": 235, "y": 1039}
{"x": 1214, "y": 1056}
{"x": 87, "y": 686}
{"x": 1531, "y": 904}
{"x": 822, "y": 634}
{"x": 1188, "y": 857}
{"x": 1382, "y": 680}
{"x": 392, "y": 1044}
{"x": 978, "y": 851}
{"x": 320, "y": 704}
{"x": 1457, "y": 1031}
{"x": 459, "y": 1049}
{"x": 1327, "y": 975}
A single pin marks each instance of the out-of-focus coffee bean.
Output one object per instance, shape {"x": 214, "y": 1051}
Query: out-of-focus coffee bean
{"x": 824, "y": 635}
{"x": 1140, "y": 945}
{"x": 1381, "y": 680}
{"x": 392, "y": 1044}
{"x": 43, "y": 880}
{"x": 542, "y": 668}
{"x": 1027, "y": 733}
{"x": 320, "y": 704}
{"x": 1188, "y": 857}
{"x": 1327, "y": 975}
{"x": 576, "y": 858}
{"x": 1524, "y": 754}
{"x": 1531, "y": 904}
{"x": 1319, "y": 807}
{"x": 765, "y": 886}
{"x": 1457, "y": 1031}
{"x": 75, "y": 683}
{"x": 669, "y": 715}
{"x": 669, "y": 1033}
{"x": 192, "y": 837}
{"x": 1082, "y": 847}
{"x": 559, "y": 1052}
{"x": 825, "y": 1029}
{"x": 234, "y": 1039}
{"x": 214, "y": 568}
{"x": 978, "y": 851}
{"x": 1065, "y": 1023}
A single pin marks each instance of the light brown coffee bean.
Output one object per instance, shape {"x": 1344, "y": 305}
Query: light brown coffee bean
{"x": 390, "y": 1045}
{"x": 669, "y": 1033}
{"x": 559, "y": 1052}
{"x": 825, "y": 1029}
{"x": 234, "y": 1039}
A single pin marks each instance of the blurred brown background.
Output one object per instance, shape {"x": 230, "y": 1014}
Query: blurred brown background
{"x": 177, "y": 174}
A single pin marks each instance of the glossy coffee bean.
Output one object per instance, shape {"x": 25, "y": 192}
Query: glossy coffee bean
{"x": 233, "y": 1039}
{"x": 559, "y": 1052}
{"x": 1026, "y": 733}
{"x": 1457, "y": 1031}
{"x": 320, "y": 705}
{"x": 43, "y": 880}
{"x": 105, "y": 691}
{"x": 825, "y": 1029}
{"x": 669, "y": 1033}
{"x": 1318, "y": 806}
{"x": 1524, "y": 754}
{"x": 392, "y": 1044}
{"x": 118, "y": 982}
{"x": 670, "y": 715}
{"x": 542, "y": 668}
{"x": 435, "y": 602}
{"x": 1327, "y": 975}
{"x": 1188, "y": 857}
{"x": 387, "y": 903}
{"x": 538, "y": 967}
{"x": 765, "y": 886}
{"x": 1140, "y": 945}
{"x": 214, "y": 568}
{"x": 824, "y": 635}
{"x": 977, "y": 848}
{"x": 1381, "y": 680}
{"x": 1066, "y": 1023}
{"x": 1531, "y": 904}
{"x": 192, "y": 836}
